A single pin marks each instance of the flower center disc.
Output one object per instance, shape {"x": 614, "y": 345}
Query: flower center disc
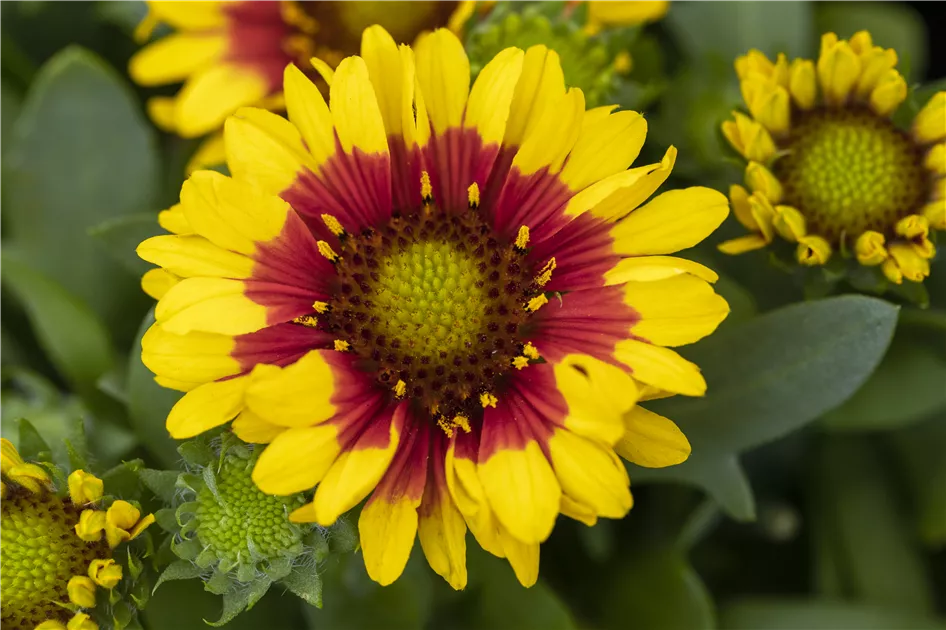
{"x": 848, "y": 171}
{"x": 40, "y": 553}
{"x": 239, "y": 522}
{"x": 433, "y": 300}
{"x": 334, "y": 29}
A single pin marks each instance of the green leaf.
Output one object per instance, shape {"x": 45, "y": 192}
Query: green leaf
{"x": 82, "y": 153}
{"x": 163, "y": 483}
{"x": 657, "y": 589}
{"x": 178, "y": 570}
{"x": 305, "y": 582}
{"x": 725, "y": 30}
{"x": 907, "y": 386}
{"x": 149, "y": 404}
{"x": 71, "y": 334}
{"x": 352, "y": 601}
{"x": 767, "y": 378}
{"x": 876, "y": 553}
{"x": 121, "y": 236}
{"x": 815, "y": 614}
{"x": 32, "y": 446}
{"x": 919, "y": 451}
{"x": 891, "y": 24}
{"x": 506, "y": 604}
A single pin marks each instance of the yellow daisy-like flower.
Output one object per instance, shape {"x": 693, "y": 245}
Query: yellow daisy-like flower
{"x": 232, "y": 54}
{"x": 50, "y": 571}
{"x": 449, "y": 299}
{"x": 827, "y": 168}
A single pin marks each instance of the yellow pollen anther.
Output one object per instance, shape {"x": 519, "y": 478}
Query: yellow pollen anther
{"x": 426, "y": 190}
{"x": 295, "y": 15}
{"x": 546, "y": 273}
{"x": 333, "y": 225}
{"x": 473, "y": 195}
{"x": 520, "y": 362}
{"x": 530, "y": 351}
{"x": 450, "y": 426}
{"x": 326, "y": 250}
{"x": 536, "y": 303}
{"x": 400, "y": 388}
{"x": 309, "y": 321}
{"x": 342, "y": 346}
{"x": 320, "y": 307}
{"x": 488, "y": 400}
{"x": 522, "y": 238}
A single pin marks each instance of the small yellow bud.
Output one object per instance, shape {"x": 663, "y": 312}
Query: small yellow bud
{"x": 81, "y": 590}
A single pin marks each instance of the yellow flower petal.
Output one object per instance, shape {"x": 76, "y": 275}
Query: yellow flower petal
{"x": 491, "y": 96}
{"x": 297, "y": 459}
{"x": 652, "y": 441}
{"x": 105, "y": 573}
{"x": 789, "y": 223}
{"x": 589, "y": 472}
{"x": 935, "y": 160}
{"x": 661, "y": 367}
{"x": 650, "y": 268}
{"x": 760, "y": 179}
{"x": 522, "y": 490}
{"x": 929, "y": 126}
{"x": 442, "y": 533}
{"x": 443, "y": 73}
{"x": 81, "y": 590}
{"x": 869, "y": 248}
{"x": 90, "y": 526}
{"x": 209, "y": 96}
{"x": 206, "y": 407}
{"x": 386, "y": 533}
{"x": 891, "y": 90}
{"x": 675, "y": 311}
{"x": 838, "y": 70}
{"x": 674, "y": 220}
{"x": 802, "y": 83}
{"x": 813, "y": 250}
{"x": 84, "y": 487}
{"x": 296, "y": 395}
{"x": 355, "y": 110}
{"x": 174, "y": 58}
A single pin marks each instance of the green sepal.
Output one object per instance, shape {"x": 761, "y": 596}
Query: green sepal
{"x": 318, "y": 543}
{"x": 190, "y": 481}
{"x": 166, "y": 519}
{"x": 220, "y": 583}
{"x": 211, "y": 482}
{"x": 305, "y": 582}
{"x": 163, "y": 483}
{"x": 32, "y": 445}
{"x": 186, "y": 549}
{"x": 122, "y": 616}
{"x": 135, "y": 567}
{"x": 122, "y": 480}
{"x": 78, "y": 455}
{"x": 178, "y": 570}
{"x": 196, "y": 453}
{"x": 238, "y": 601}
{"x": 246, "y": 573}
{"x": 278, "y": 569}
{"x": 185, "y": 509}
{"x": 343, "y": 536}
{"x": 226, "y": 564}
{"x": 205, "y": 558}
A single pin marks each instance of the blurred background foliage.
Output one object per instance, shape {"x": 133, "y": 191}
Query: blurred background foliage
{"x": 816, "y": 493}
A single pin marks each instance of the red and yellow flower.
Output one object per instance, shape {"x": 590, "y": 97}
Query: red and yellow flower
{"x": 231, "y": 54}
{"x": 447, "y": 298}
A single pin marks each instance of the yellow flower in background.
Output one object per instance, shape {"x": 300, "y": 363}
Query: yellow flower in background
{"x": 232, "y": 54}
{"x": 603, "y": 14}
{"x": 827, "y": 168}
{"x": 50, "y": 570}
{"x": 449, "y": 299}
